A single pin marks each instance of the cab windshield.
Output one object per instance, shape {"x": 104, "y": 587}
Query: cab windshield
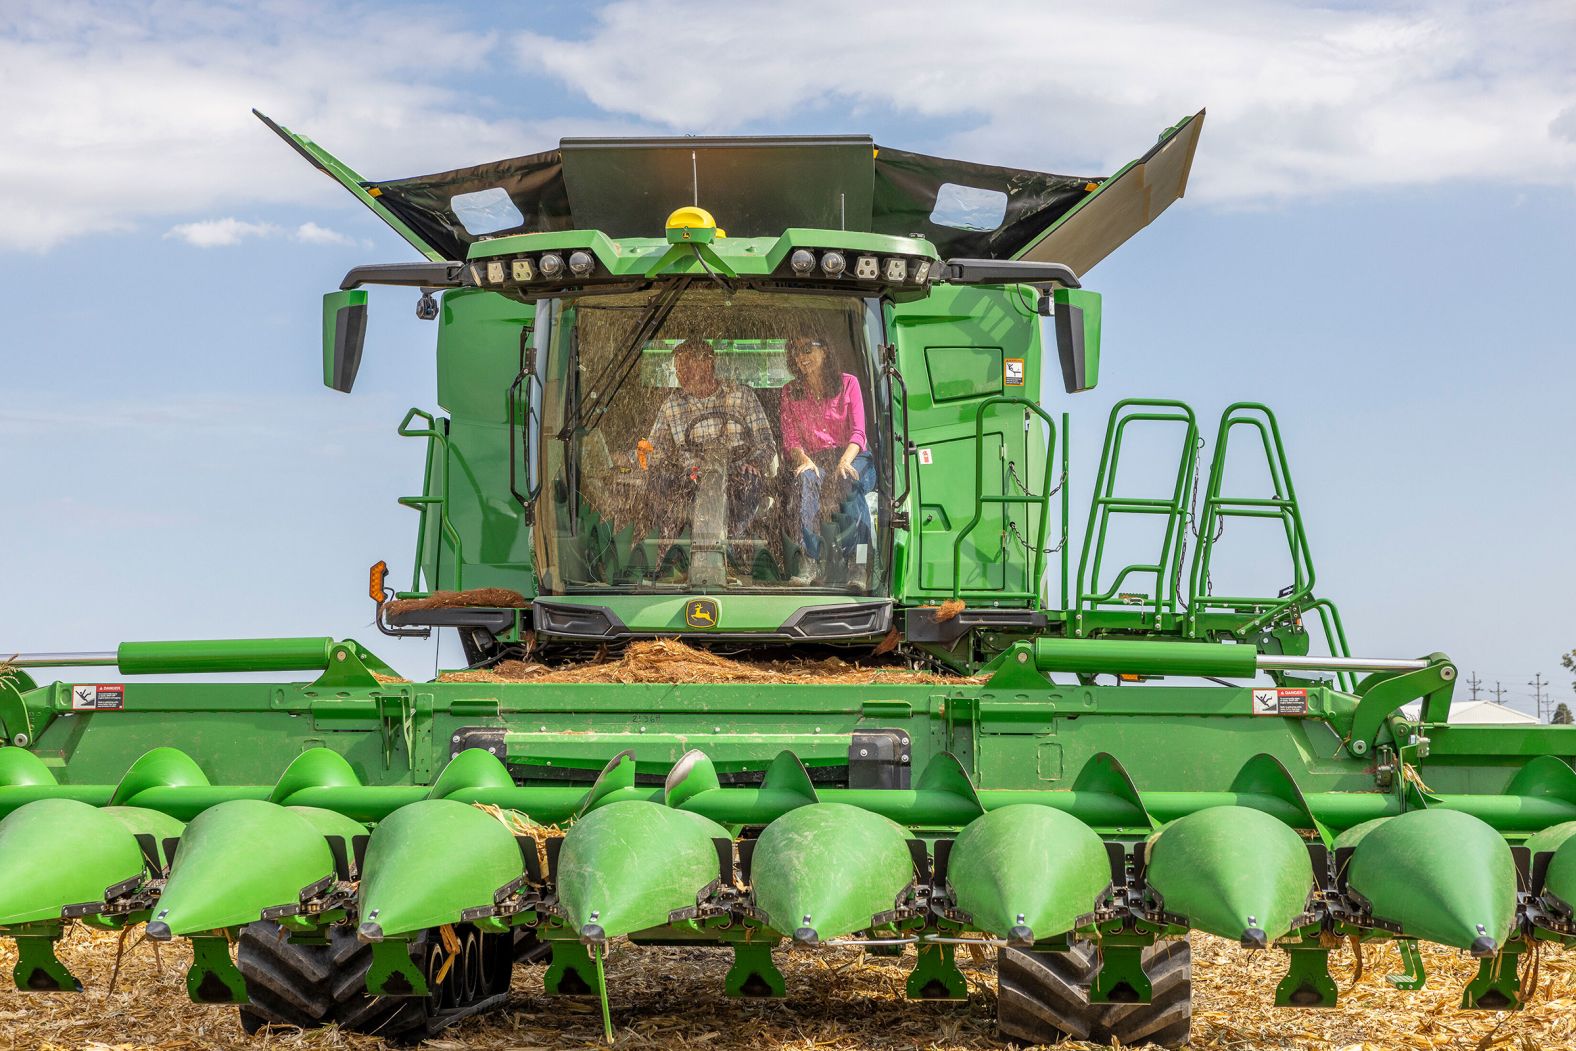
{"x": 698, "y": 438}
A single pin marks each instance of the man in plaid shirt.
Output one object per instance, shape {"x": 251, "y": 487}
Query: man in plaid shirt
{"x": 703, "y": 412}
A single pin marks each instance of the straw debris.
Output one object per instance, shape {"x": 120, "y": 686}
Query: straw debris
{"x": 493, "y": 597}
{"x": 671, "y": 661}
{"x": 838, "y": 1000}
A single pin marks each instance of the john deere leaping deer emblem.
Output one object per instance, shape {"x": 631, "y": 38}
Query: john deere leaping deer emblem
{"x": 701, "y": 613}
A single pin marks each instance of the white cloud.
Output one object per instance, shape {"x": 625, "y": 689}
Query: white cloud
{"x": 1302, "y": 98}
{"x": 313, "y": 234}
{"x": 220, "y": 233}
{"x": 121, "y": 114}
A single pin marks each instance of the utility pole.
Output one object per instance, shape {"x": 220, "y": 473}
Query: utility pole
{"x": 1499, "y": 692}
{"x": 1475, "y": 684}
{"x": 1537, "y": 685}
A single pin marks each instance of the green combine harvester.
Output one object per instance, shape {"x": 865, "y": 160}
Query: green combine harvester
{"x": 817, "y": 433}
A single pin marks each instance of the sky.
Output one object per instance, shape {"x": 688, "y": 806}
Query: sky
{"x": 1378, "y": 241}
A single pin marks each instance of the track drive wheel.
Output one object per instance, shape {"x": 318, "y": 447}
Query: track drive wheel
{"x": 1043, "y": 997}
{"x": 307, "y": 986}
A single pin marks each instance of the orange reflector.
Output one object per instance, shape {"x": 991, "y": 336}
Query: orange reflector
{"x": 1130, "y": 677}
{"x": 375, "y": 578}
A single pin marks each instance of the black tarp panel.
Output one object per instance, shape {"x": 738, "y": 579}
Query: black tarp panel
{"x": 755, "y": 187}
{"x": 906, "y": 185}
{"x": 762, "y": 186}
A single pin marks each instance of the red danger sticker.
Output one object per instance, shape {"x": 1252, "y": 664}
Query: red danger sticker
{"x": 104, "y": 697}
{"x": 1280, "y": 702}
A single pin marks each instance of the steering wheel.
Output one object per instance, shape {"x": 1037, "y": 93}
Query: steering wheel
{"x": 747, "y": 444}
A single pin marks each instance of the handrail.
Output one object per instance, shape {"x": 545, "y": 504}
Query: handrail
{"x": 1282, "y": 506}
{"x": 527, "y": 378}
{"x": 437, "y": 442}
{"x": 1105, "y": 503}
{"x": 981, "y": 498}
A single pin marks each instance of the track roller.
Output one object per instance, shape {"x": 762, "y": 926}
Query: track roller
{"x": 306, "y": 986}
{"x": 1043, "y": 998}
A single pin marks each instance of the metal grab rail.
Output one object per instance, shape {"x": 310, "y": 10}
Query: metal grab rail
{"x": 1105, "y": 503}
{"x": 1282, "y": 506}
{"x": 981, "y": 498}
{"x": 437, "y": 443}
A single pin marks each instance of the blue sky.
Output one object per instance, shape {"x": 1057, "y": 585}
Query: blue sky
{"x": 1378, "y": 241}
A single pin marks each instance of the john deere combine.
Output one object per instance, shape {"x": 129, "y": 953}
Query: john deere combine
{"x": 820, "y": 432}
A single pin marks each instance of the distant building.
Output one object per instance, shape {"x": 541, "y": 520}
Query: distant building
{"x": 1480, "y": 712}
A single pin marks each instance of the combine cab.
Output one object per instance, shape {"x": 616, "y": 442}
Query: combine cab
{"x": 817, "y": 432}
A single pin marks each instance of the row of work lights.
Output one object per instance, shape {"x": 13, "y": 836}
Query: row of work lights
{"x": 833, "y": 263}
{"x": 804, "y": 262}
{"x": 548, "y": 265}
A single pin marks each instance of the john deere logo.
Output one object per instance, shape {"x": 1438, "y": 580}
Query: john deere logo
{"x": 701, "y": 613}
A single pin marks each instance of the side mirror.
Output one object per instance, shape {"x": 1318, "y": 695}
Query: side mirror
{"x": 1076, "y": 316}
{"x": 344, "y": 333}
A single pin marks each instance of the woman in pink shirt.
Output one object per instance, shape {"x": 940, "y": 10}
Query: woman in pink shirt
{"x": 823, "y": 426}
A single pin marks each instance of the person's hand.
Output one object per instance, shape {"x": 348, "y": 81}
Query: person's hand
{"x": 845, "y": 469}
{"x": 808, "y": 465}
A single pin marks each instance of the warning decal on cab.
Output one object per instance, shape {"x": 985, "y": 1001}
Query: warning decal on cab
{"x": 1280, "y": 702}
{"x": 1012, "y": 372}
{"x": 98, "y": 698}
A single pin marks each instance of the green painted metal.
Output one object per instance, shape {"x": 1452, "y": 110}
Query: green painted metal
{"x": 1135, "y": 657}
{"x": 213, "y": 977}
{"x": 628, "y": 866}
{"x": 429, "y": 862}
{"x": 1231, "y": 871}
{"x": 59, "y": 852}
{"x": 1307, "y": 982}
{"x": 223, "y": 655}
{"x": 1027, "y": 872}
{"x": 827, "y": 870}
{"x": 1440, "y": 875}
{"x": 753, "y": 973}
{"x": 935, "y": 975}
{"x": 1497, "y": 985}
{"x": 1559, "y": 879}
{"x": 216, "y": 880}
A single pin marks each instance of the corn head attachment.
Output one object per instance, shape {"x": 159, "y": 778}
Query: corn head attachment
{"x": 671, "y": 464}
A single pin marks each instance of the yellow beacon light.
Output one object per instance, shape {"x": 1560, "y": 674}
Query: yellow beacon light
{"x": 692, "y": 223}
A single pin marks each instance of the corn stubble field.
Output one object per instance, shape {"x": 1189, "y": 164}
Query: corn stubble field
{"x": 839, "y": 999}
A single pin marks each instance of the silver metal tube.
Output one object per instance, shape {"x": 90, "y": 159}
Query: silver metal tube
{"x": 1280, "y": 662}
{"x": 60, "y": 660}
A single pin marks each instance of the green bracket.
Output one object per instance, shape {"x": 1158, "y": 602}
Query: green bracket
{"x": 1013, "y": 669}
{"x": 572, "y": 972}
{"x": 213, "y": 977}
{"x": 1497, "y": 986}
{"x": 352, "y": 666}
{"x": 1121, "y": 978}
{"x": 1416, "y": 976}
{"x": 1381, "y": 695}
{"x": 392, "y": 971}
{"x": 1307, "y": 982}
{"x": 38, "y": 969}
{"x": 936, "y": 976}
{"x": 14, "y": 717}
{"x": 753, "y": 973}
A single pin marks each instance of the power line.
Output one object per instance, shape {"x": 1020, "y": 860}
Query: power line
{"x": 1475, "y": 684}
{"x": 1544, "y": 710}
{"x": 1499, "y": 692}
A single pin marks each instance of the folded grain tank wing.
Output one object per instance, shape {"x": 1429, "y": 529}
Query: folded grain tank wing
{"x": 765, "y": 185}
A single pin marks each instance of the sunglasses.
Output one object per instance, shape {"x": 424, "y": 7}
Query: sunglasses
{"x": 802, "y": 349}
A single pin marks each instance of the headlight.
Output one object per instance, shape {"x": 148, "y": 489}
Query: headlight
{"x": 522, "y": 269}
{"x": 866, "y": 268}
{"x": 802, "y": 261}
{"x": 896, "y": 269}
{"x": 495, "y": 271}
{"x": 580, "y": 263}
{"x": 551, "y": 264}
{"x": 833, "y": 263}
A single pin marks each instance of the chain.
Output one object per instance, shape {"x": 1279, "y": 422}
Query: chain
{"x": 1028, "y": 548}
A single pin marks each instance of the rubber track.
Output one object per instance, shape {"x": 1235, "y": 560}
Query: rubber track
{"x": 311, "y": 985}
{"x": 1044, "y": 997}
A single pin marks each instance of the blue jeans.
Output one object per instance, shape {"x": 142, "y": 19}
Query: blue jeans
{"x": 851, "y": 522}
